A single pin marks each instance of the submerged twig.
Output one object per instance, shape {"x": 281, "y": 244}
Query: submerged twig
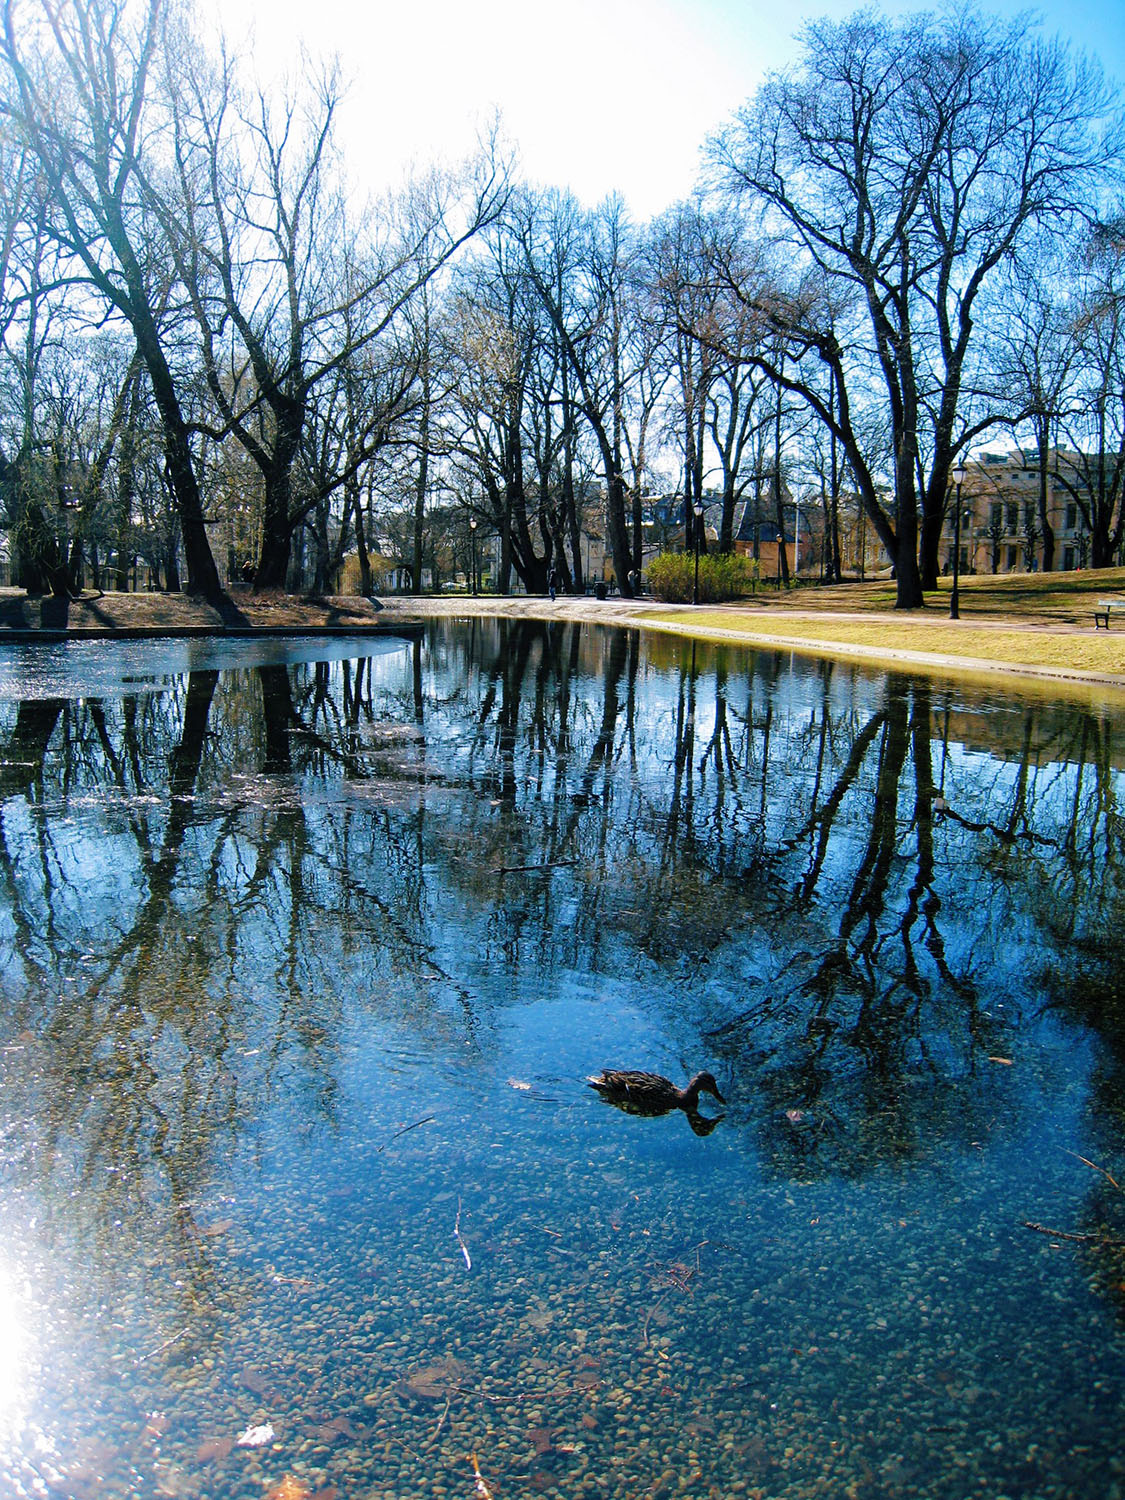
{"x": 482, "y": 1488}
{"x": 648, "y": 1316}
{"x": 1056, "y": 1234}
{"x": 425, "y": 1120}
{"x": 1064, "y": 1234}
{"x": 550, "y": 864}
{"x": 433, "y": 1437}
{"x": 1094, "y": 1167}
{"x": 167, "y": 1344}
{"x": 460, "y": 1241}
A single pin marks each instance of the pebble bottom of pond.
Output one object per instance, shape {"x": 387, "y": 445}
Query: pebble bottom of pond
{"x": 491, "y": 1283}
{"x": 304, "y": 1195}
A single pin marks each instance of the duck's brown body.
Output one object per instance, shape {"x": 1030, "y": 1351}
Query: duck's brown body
{"x": 650, "y": 1093}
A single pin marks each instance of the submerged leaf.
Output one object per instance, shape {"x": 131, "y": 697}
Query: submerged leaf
{"x": 434, "y": 1382}
{"x": 214, "y": 1448}
{"x": 337, "y": 1427}
{"x": 253, "y": 1380}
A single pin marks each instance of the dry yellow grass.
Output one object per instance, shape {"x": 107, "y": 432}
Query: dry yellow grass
{"x": 1069, "y": 651}
{"x": 1016, "y": 599}
{"x": 1035, "y": 622}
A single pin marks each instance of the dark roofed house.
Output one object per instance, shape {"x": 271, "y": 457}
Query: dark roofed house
{"x": 758, "y": 537}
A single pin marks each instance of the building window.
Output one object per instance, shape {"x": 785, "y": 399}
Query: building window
{"x": 1013, "y": 558}
{"x": 1071, "y": 517}
{"x": 1012, "y": 518}
{"x": 1029, "y": 514}
{"x": 1070, "y": 557}
{"x": 995, "y": 515}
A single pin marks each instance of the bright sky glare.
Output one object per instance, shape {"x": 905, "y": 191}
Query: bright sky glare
{"x": 598, "y": 95}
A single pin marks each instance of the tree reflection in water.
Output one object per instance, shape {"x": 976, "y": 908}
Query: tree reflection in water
{"x": 850, "y": 893}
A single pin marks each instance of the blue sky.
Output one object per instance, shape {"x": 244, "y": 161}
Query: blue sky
{"x": 599, "y": 94}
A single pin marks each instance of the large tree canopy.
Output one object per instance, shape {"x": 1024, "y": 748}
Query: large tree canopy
{"x": 902, "y": 164}
{"x": 901, "y": 245}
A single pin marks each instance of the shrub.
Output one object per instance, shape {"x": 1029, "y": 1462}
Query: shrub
{"x": 724, "y": 575}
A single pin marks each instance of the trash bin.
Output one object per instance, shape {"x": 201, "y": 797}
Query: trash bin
{"x": 600, "y": 589}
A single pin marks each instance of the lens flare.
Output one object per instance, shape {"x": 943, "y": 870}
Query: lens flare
{"x": 13, "y": 1351}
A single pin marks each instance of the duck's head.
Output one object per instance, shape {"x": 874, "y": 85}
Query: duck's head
{"x": 704, "y": 1083}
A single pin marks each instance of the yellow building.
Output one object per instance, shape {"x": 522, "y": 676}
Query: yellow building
{"x": 1000, "y": 525}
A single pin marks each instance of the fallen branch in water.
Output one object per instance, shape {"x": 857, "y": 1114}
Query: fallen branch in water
{"x": 167, "y": 1344}
{"x": 460, "y": 1241}
{"x": 1064, "y": 1234}
{"x": 482, "y": 1488}
{"x": 1094, "y": 1167}
{"x": 517, "y": 1398}
{"x": 648, "y": 1316}
{"x": 425, "y": 1120}
{"x": 1057, "y": 1234}
{"x": 551, "y": 864}
{"x": 433, "y": 1437}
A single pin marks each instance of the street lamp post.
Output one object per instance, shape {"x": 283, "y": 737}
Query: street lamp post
{"x": 473, "y": 534}
{"x": 954, "y": 600}
{"x": 698, "y": 509}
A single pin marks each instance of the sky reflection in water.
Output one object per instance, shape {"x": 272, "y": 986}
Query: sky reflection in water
{"x": 304, "y": 963}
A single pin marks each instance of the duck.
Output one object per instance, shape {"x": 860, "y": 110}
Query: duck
{"x": 650, "y": 1093}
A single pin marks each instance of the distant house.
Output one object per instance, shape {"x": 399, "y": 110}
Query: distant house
{"x": 760, "y": 538}
{"x": 1000, "y": 523}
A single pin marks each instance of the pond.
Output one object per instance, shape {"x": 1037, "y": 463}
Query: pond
{"x": 307, "y": 952}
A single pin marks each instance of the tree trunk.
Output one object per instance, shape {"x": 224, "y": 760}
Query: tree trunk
{"x": 422, "y": 482}
{"x": 618, "y": 531}
{"x": 573, "y": 520}
{"x": 779, "y": 507}
{"x": 1046, "y": 530}
{"x": 126, "y": 491}
{"x": 908, "y": 579}
{"x": 38, "y": 565}
{"x": 203, "y": 576}
{"x": 273, "y": 565}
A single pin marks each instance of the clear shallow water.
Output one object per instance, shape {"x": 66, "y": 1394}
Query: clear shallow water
{"x": 303, "y": 965}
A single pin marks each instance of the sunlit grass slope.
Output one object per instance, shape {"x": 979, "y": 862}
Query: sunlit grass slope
{"x": 1039, "y": 621}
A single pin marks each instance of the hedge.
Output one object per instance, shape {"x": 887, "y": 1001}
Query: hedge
{"x": 725, "y": 575}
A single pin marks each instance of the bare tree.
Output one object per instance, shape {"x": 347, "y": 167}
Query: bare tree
{"x": 903, "y": 165}
{"x": 283, "y": 288}
{"x": 492, "y": 343}
{"x": 33, "y": 312}
{"x": 1094, "y": 473}
{"x": 591, "y": 307}
{"x": 690, "y": 305}
{"x": 1033, "y": 361}
{"x": 79, "y": 94}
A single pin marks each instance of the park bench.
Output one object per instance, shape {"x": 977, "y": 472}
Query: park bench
{"x": 1104, "y": 608}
